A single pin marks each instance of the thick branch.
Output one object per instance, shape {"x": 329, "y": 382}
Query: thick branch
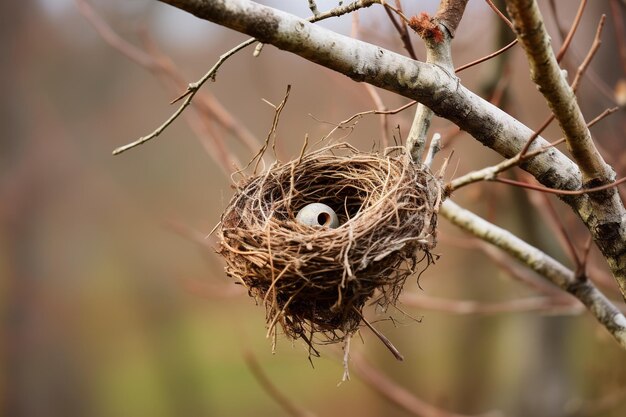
{"x": 450, "y": 13}
{"x": 438, "y": 52}
{"x": 441, "y": 91}
{"x": 601, "y": 308}
{"x": 546, "y": 73}
{"x": 606, "y": 209}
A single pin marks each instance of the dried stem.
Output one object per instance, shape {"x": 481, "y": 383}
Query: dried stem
{"x": 592, "y": 52}
{"x": 357, "y": 116}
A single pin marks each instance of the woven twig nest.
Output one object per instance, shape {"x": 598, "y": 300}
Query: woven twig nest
{"x": 315, "y": 281}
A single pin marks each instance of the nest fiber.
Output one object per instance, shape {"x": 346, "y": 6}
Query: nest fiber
{"x": 315, "y": 281}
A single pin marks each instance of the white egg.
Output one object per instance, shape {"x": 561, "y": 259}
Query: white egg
{"x": 318, "y": 214}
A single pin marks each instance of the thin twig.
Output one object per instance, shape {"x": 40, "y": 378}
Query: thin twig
{"x": 597, "y": 41}
{"x": 572, "y": 31}
{"x": 396, "y": 11}
{"x": 402, "y": 31}
{"x": 620, "y": 32}
{"x": 490, "y": 173}
{"x": 192, "y": 89}
{"x": 395, "y": 393}
{"x": 602, "y": 115}
{"x": 270, "y": 388}
{"x": 536, "y": 134}
{"x": 560, "y": 96}
{"x": 396, "y": 353}
{"x": 313, "y": 7}
{"x": 486, "y": 57}
{"x": 344, "y": 9}
{"x": 271, "y": 136}
{"x": 559, "y": 192}
{"x": 500, "y": 14}
{"x": 371, "y": 90}
{"x": 560, "y": 228}
{"x": 343, "y": 123}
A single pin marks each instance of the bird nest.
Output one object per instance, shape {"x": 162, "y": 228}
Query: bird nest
{"x": 315, "y": 281}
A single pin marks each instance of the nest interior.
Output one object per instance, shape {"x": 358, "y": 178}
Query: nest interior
{"x": 315, "y": 281}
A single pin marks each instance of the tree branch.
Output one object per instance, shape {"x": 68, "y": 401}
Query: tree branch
{"x": 441, "y": 91}
{"x": 605, "y": 214}
{"x": 450, "y": 13}
{"x": 397, "y": 394}
{"x": 546, "y": 73}
{"x": 599, "y": 306}
{"x": 438, "y": 52}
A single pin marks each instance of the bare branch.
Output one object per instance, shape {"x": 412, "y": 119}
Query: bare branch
{"x": 572, "y": 31}
{"x": 620, "y": 32}
{"x": 592, "y": 52}
{"x": 188, "y": 95}
{"x": 450, "y": 13}
{"x": 604, "y": 215}
{"x": 344, "y": 123}
{"x": 402, "y": 29}
{"x": 490, "y": 173}
{"x": 371, "y": 90}
{"x": 552, "y": 305}
{"x": 193, "y": 88}
{"x": 500, "y": 14}
{"x": 396, "y": 393}
{"x": 547, "y": 74}
{"x": 487, "y": 57}
{"x": 394, "y": 351}
{"x": 438, "y": 52}
{"x": 561, "y": 192}
{"x": 271, "y": 389}
{"x": 599, "y": 306}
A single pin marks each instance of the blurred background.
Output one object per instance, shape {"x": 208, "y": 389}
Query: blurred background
{"x": 114, "y": 304}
